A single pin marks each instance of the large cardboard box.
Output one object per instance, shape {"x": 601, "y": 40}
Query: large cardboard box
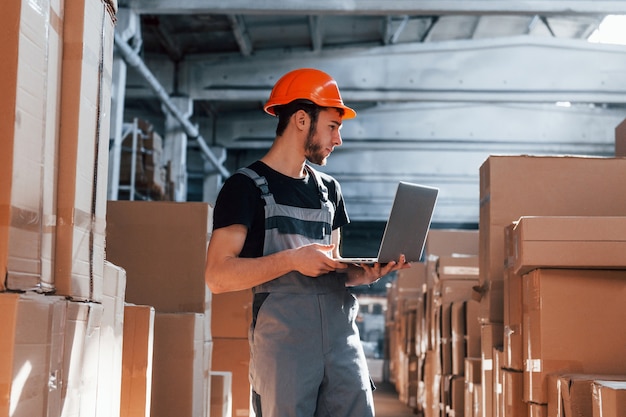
{"x": 568, "y": 242}
{"x": 137, "y": 358}
{"x": 84, "y": 144}
{"x": 569, "y": 325}
{"x": 572, "y": 394}
{"x": 162, "y": 246}
{"x": 516, "y": 186}
{"x": 31, "y": 49}
{"x": 233, "y": 355}
{"x": 609, "y": 398}
{"x": 178, "y": 367}
{"x": 81, "y": 358}
{"x": 31, "y": 354}
{"x": 111, "y": 341}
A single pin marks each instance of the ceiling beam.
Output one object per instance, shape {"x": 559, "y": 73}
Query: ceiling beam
{"x": 377, "y": 7}
{"x": 520, "y": 69}
{"x": 241, "y": 34}
{"x": 315, "y": 28}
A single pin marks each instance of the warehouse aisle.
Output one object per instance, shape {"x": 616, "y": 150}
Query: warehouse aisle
{"x": 388, "y": 404}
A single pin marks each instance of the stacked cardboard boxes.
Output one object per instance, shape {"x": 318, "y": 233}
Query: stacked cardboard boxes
{"x": 516, "y": 186}
{"x": 56, "y": 68}
{"x": 231, "y": 351}
{"x": 142, "y": 168}
{"x": 566, "y": 278}
{"x": 404, "y": 330}
{"x": 162, "y": 246}
{"x": 433, "y": 325}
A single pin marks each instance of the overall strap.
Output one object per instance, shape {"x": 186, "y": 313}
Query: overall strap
{"x": 321, "y": 188}
{"x": 260, "y": 182}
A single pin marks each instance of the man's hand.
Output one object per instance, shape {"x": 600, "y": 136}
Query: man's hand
{"x": 314, "y": 260}
{"x": 362, "y": 274}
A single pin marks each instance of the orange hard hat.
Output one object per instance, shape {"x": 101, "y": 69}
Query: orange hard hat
{"x": 308, "y": 84}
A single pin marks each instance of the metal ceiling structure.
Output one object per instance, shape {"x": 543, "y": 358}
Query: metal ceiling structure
{"x": 438, "y": 86}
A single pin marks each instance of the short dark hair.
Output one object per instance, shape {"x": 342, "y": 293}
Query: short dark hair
{"x": 285, "y": 112}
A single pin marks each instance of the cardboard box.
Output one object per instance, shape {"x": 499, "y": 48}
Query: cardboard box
{"x": 31, "y": 354}
{"x": 568, "y": 242}
{"x": 454, "y": 395}
{"x": 537, "y": 410}
{"x": 162, "y": 246}
{"x": 111, "y": 341}
{"x": 572, "y": 394}
{"x": 490, "y": 337}
{"x": 231, "y": 314}
{"x": 516, "y": 186}
{"x": 498, "y": 397}
{"x": 84, "y": 144}
{"x": 472, "y": 383}
{"x": 221, "y": 394}
{"x": 465, "y": 333}
{"x": 137, "y": 358}
{"x": 512, "y": 294}
{"x": 448, "y": 242}
{"x": 609, "y": 398}
{"x": 478, "y": 409}
{"x": 457, "y": 267}
{"x": 81, "y": 357}
{"x": 413, "y": 278}
{"x": 178, "y": 367}
{"x": 513, "y": 394}
{"x": 444, "y": 294}
{"x": 491, "y": 296}
{"x": 432, "y": 384}
{"x": 414, "y": 374}
{"x": 569, "y": 325}
{"x": 233, "y": 355}
{"x": 31, "y": 67}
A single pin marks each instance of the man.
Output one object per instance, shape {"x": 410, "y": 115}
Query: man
{"x": 276, "y": 230}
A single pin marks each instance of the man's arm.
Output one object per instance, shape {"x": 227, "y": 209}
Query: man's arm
{"x": 226, "y": 271}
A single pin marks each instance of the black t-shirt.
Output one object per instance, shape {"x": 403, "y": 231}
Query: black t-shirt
{"x": 239, "y": 202}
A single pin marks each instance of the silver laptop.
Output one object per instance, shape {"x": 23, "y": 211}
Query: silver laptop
{"x": 407, "y": 226}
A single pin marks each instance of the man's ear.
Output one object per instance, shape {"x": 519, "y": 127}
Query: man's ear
{"x": 302, "y": 119}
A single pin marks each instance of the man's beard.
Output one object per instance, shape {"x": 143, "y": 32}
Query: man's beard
{"x": 313, "y": 150}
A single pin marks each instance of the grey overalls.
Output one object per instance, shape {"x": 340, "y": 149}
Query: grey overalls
{"x": 306, "y": 357}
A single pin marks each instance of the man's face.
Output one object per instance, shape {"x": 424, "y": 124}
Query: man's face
{"x": 323, "y": 137}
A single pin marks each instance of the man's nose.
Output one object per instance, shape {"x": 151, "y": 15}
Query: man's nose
{"x": 338, "y": 141}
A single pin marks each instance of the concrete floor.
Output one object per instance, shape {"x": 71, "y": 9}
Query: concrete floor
{"x": 388, "y": 404}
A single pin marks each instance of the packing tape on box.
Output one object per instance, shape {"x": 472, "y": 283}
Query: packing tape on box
{"x": 28, "y": 220}
{"x": 85, "y": 221}
{"x": 551, "y": 365}
{"x": 533, "y": 365}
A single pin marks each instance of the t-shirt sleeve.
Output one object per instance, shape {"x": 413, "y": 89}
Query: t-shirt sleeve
{"x": 236, "y": 202}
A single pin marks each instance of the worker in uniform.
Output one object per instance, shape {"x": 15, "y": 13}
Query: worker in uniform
{"x": 276, "y": 230}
